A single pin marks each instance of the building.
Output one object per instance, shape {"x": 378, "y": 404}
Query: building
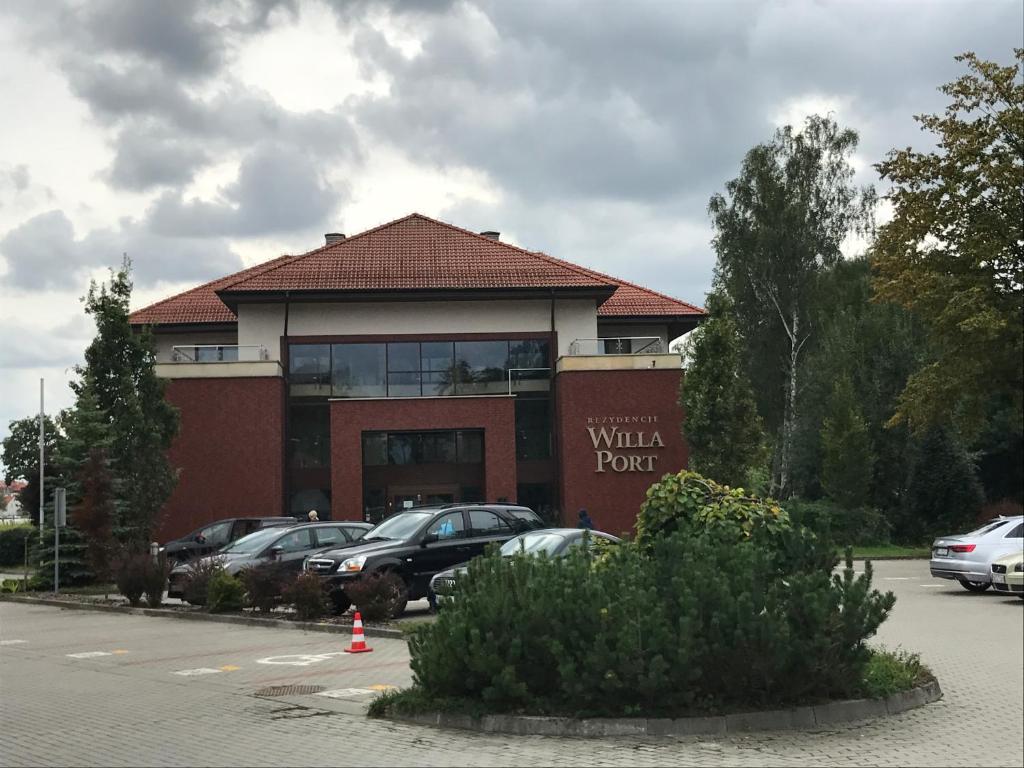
{"x": 419, "y": 362}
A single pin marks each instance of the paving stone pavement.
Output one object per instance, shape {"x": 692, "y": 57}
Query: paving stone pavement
{"x": 132, "y": 705}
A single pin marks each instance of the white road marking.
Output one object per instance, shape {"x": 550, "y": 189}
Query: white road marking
{"x": 13, "y": 642}
{"x": 194, "y": 672}
{"x": 897, "y": 578}
{"x": 300, "y": 659}
{"x": 88, "y": 654}
{"x": 346, "y": 693}
{"x": 931, "y": 586}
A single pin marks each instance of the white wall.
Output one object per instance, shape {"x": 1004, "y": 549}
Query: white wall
{"x": 264, "y": 323}
{"x": 165, "y": 341}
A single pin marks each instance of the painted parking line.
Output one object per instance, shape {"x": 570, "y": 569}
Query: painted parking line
{"x": 383, "y": 687}
{"x": 88, "y": 654}
{"x": 300, "y": 659}
{"x": 931, "y": 586}
{"x": 13, "y": 642}
{"x": 896, "y": 578}
{"x": 346, "y": 693}
{"x": 196, "y": 672}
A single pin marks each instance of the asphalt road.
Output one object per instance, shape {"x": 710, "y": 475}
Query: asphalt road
{"x": 86, "y": 688}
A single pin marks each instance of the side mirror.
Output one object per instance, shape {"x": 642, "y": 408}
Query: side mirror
{"x": 275, "y": 552}
{"x": 429, "y": 538}
{"x": 200, "y": 538}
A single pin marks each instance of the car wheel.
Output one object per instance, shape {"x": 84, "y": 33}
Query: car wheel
{"x": 340, "y": 602}
{"x": 974, "y": 586}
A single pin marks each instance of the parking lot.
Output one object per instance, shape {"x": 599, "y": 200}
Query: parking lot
{"x": 87, "y": 688}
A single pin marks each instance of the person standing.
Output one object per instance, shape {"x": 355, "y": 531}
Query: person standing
{"x": 313, "y": 516}
{"x": 585, "y": 521}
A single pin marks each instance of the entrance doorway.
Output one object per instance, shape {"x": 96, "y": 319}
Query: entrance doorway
{"x": 405, "y": 496}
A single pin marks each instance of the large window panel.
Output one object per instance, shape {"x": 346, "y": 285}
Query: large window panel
{"x": 404, "y": 384}
{"x": 404, "y": 356}
{"x": 359, "y": 370}
{"x": 481, "y": 366}
{"x": 309, "y": 369}
{"x": 533, "y": 428}
{"x": 309, "y": 436}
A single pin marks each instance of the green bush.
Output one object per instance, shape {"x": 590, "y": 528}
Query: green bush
{"x": 12, "y": 543}
{"x": 224, "y": 593}
{"x": 377, "y": 596}
{"x": 306, "y": 593}
{"x": 74, "y": 558}
{"x": 197, "y": 580}
{"x": 264, "y": 585}
{"x": 9, "y": 586}
{"x": 862, "y": 526}
{"x": 688, "y": 501}
{"x": 684, "y": 625}
{"x": 887, "y": 673}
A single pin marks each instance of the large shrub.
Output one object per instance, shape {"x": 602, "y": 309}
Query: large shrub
{"x": 197, "y": 579}
{"x": 688, "y": 501}
{"x": 264, "y": 584}
{"x": 686, "y": 624}
{"x": 306, "y": 593}
{"x": 377, "y": 596}
{"x": 131, "y": 573}
{"x": 155, "y": 580}
{"x": 12, "y": 543}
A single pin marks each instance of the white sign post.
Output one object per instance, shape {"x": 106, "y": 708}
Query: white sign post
{"x": 60, "y": 515}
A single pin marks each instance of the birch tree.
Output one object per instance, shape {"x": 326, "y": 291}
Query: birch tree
{"x": 778, "y": 225}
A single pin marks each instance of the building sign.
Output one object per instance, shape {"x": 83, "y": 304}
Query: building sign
{"x": 620, "y": 446}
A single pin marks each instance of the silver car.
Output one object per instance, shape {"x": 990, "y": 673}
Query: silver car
{"x": 968, "y": 558}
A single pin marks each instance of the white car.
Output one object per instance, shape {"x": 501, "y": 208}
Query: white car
{"x": 968, "y": 558}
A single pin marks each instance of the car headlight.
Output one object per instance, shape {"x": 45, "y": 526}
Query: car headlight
{"x": 1019, "y": 567}
{"x": 353, "y": 564}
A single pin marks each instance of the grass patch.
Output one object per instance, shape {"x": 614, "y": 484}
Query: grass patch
{"x": 889, "y": 550}
{"x": 890, "y": 672}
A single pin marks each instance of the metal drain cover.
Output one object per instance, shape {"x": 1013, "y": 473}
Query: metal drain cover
{"x": 289, "y": 690}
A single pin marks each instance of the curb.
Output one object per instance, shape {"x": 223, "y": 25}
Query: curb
{"x": 795, "y": 718}
{"x": 247, "y": 621}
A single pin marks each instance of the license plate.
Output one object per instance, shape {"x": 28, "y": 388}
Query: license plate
{"x": 941, "y": 551}
{"x": 999, "y": 578}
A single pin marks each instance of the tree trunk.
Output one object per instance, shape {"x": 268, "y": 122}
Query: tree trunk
{"x": 789, "y": 416}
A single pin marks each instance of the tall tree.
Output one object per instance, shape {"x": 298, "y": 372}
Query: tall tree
{"x": 953, "y": 252}
{"x": 780, "y": 223}
{"x": 721, "y": 423}
{"x": 846, "y": 449}
{"x": 21, "y": 458}
{"x": 119, "y": 379}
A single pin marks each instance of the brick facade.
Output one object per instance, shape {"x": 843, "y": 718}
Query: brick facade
{"x": 610, "y": 479}
{"x": 228, "y": 451}
{"x": 350, "y": 418}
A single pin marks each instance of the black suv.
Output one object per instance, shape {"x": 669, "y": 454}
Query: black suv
{"x": 213, "y": 536}
{"x": 417, "y": 543}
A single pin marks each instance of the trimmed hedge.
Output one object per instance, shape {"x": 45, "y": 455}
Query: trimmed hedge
{"x": 12, "y": 543}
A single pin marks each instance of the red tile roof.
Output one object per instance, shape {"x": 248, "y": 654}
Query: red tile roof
{"x": 412, "y": 253}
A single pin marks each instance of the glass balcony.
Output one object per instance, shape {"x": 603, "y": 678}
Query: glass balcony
{"x": 219, "y": 353}
{"x": 618, "y": 345}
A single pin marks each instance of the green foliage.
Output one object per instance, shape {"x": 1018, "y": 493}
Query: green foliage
{"x": 20, "y": 457}
{"x": 721, "y": 423}
{"x": 778, "y": 227}
{"x": 9, "y": 586}
{"x": 846, "y": 449}
{"x": 197, "y": 579}
{"x": 859, "y": 526}
{"x": 118, "y": 381}
{"x": 155, "y": 580}
{"x": 943, "y": 494}
{"x": 689, "y": 625}
{"x": 12, "y": 543}
{"x": 378, "y": 595}
{"x": 264, "y": 584}
{"x": 687, "y": 501}
{"x": 74, "y": 558}
{"x": 306, "y": 594}
{"x": 953, "y": 252}
{"x": 224, "y": 593}
{"x": 887, "y": 673}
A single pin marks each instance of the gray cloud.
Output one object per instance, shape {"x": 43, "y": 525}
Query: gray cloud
{"x": 43, "y": 254}
{"x": 278, "y": 189}
{"x": 19, "y": 177}
{"x": 148, "y": 158}
{"x": 29, "y": 346}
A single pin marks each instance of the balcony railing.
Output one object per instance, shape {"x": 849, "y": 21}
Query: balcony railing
{"x": 618, "y": 345}
{"x": 218, "y": 353}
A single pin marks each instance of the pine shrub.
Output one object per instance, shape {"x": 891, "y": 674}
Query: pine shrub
{"x": 377, "y": 596}
{"x": 264, "y": 584}
{"x": 12, "y": 543}
{"x": 306, "y": 594}
{"x": 224, "y": 593}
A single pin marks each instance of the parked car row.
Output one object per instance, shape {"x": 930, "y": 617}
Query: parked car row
{"x": 990, "y": 556}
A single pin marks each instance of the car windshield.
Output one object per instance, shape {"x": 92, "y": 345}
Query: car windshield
{"x": 399, "y": 526}
{"x": 532, "y": 543}
{"x": 254, "y": 542}
{"x": 987, "y": 528}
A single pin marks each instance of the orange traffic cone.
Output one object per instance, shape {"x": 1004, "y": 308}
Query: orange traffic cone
{"x": 358, "y": 641}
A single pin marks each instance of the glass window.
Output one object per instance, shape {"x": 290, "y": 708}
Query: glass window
{"x": 486, "y": 523}
{"x": 450, "y": 526}
{"x": 228, "y": 354}
{"x": 305, "y": 499}
{"x": 401, "y": 449}
{"x": 533, "y": 428}
{"x": 470, "y": 446}
{"x": 439, "y": 383}
{"x": 296, "y": 541}
{"x": 529, "y": 353}
{"x": 435, "y": 448}
{"x": 309, "y": 438}
{"x": 329, "y": 537}
{"x": 399, "y": 526}
{"x": 1016, "y": 533}
{"x": 309, "y": 363}
{"x": 481, "y": 366}
{"x": 358, "y": 370}
{"x": 404, "y": 356}
{"x": 437, "y": 356}
{"x": 215, "y": 535}
{"x": 375, "y": 449}
{"x": 530, "y": 543}
{"x": 405, "y": 384}
{"x": 253, "y": 543}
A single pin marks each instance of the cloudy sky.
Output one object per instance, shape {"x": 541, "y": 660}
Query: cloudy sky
{"x": 200, "y": 137}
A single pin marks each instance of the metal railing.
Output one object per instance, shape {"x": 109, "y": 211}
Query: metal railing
{"x": 530, "y": 378}
{"x": 218, "y": 353}
{"x": 618, "y": 345}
